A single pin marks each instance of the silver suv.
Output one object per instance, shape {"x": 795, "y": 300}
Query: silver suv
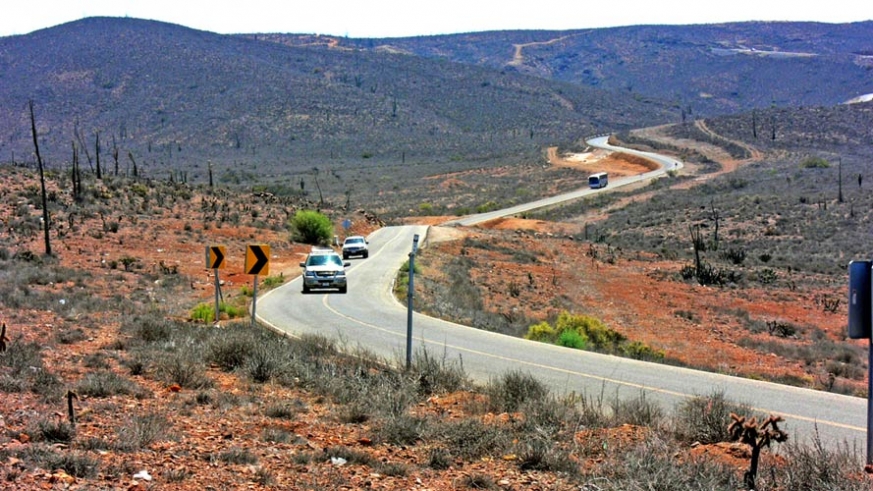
{"x": 324, "y": 268}
{"x": 355, "y": 246}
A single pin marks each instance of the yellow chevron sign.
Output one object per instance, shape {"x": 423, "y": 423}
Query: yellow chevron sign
{"x": 258, "y": 259}
{"x": 215, "y": 257}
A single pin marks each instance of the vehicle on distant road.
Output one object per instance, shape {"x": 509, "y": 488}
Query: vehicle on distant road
{"x": 598, "y": 180}
{"x": 324, "y": 269}
{"x": 355, "y": 245}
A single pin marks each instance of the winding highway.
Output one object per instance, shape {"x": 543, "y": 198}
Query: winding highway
{"x": 369, "y": 317}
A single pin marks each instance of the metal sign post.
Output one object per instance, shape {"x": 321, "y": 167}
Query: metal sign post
{"x": 254, "y": 300}
{"x": 217, "y": 293}
{"x": 215, "y": 262}
{"x": 257, "y": 264}
{"x": 860, "y": 322}
{"x": 869, "y": 405}
{"x": 409, "y": 295}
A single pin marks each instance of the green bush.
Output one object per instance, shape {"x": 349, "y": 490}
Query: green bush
{"x": 577, "y": 331}
{"x": 273, "y": 281}
{"x": 404, "y": 268}
{"x": 573, "y": 339}
{"x": 639, "y": 350}
{"x": 205, "y": 312}
{"x": 600, "y": 336}
{"x": 542, "y": 332}
{"x": 486, "y": 207}
{"x": 815, "y": 163}
{"x": 311, "y": 227}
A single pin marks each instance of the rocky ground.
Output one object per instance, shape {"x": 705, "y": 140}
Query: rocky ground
{"x": 634, "y": 294}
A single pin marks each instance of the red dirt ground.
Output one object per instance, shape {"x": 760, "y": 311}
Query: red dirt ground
{"x": 639, "y": 296}
{"x": 632, "y": 296}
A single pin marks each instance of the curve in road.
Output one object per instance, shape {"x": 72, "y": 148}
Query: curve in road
{"x": 370, "y": 317}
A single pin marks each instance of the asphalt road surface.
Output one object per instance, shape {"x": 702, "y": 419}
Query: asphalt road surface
{"x": 370, "y": 317}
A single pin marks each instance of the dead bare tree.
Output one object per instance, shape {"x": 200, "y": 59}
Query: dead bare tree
{"x": 3, "y": 338}
{"x": 76, "y": 174}
{"x": 130, "y": 156}
{"x": 45, "y": 213}
{"x": 318, "y": 186}
{"x": 715, "y": 218}
{"x": 115, "y": 154}
{"x": 82, "y": 144}
{"x": 698, "y": 244}
{"x": 97, "y": 154}
{"x": 71, "y": 412}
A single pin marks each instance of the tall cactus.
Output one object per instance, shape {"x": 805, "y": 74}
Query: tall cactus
{"x": 756, "y": 436}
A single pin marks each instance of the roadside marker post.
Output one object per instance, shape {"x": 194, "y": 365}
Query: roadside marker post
{"x": 860, "y": 322}
{"x": 409, "y": 296}
{"x": 257, "y": 264}
{"x": 215, "y": 261}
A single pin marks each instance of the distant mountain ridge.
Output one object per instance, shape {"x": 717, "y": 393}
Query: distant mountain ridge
{"x": 176, "y": 98}
{"x": 273, "y": 104}
{"x": 709, "y": 68}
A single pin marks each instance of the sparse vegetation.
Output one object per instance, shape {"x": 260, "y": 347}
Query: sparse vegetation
{"x": 205, "y": 312}
{"x": 783, "y": 231}
{"x": 311, "y": 227}
{"x": 585, "y": 332}
{"x": 540, "y": 433}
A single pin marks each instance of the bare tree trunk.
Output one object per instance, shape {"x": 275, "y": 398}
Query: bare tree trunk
{"x": 115, "y": 154}
{"x": 45, "y": 213}
{"x": 83, "y": 145}
{"x": 697, "y": 243}
{"x": 317, "y": 186}
{"x": 130, "y": 156}
{"x": 715, "y": 218}
{"x": 97, "y": 153}
{"x": 75, "y": 175}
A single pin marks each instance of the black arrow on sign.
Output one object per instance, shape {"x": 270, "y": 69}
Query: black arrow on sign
{"x": 262, "y": 260}
{"x": 217, "y": 257}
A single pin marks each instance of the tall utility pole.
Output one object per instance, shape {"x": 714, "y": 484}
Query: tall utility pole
{"x": 409, "y": 297}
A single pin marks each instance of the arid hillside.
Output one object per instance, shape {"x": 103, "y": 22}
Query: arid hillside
{"x": 509, "y": 274}
{"x": 112, "y": 377}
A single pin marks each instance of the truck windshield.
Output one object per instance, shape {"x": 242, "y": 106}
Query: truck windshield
{"x": 324, "y": 259}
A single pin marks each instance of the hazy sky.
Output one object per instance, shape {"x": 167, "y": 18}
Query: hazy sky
{"x": 393, "y": 18}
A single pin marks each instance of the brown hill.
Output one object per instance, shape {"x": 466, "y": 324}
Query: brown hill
{"x": 176, "y": 98}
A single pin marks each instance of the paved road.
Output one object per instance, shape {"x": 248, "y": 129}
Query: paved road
{"x": 667, "y": 164}
{"x": 370, "y": 317}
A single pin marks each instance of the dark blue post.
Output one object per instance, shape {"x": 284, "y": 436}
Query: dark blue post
{"x": 860, "y": 321}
